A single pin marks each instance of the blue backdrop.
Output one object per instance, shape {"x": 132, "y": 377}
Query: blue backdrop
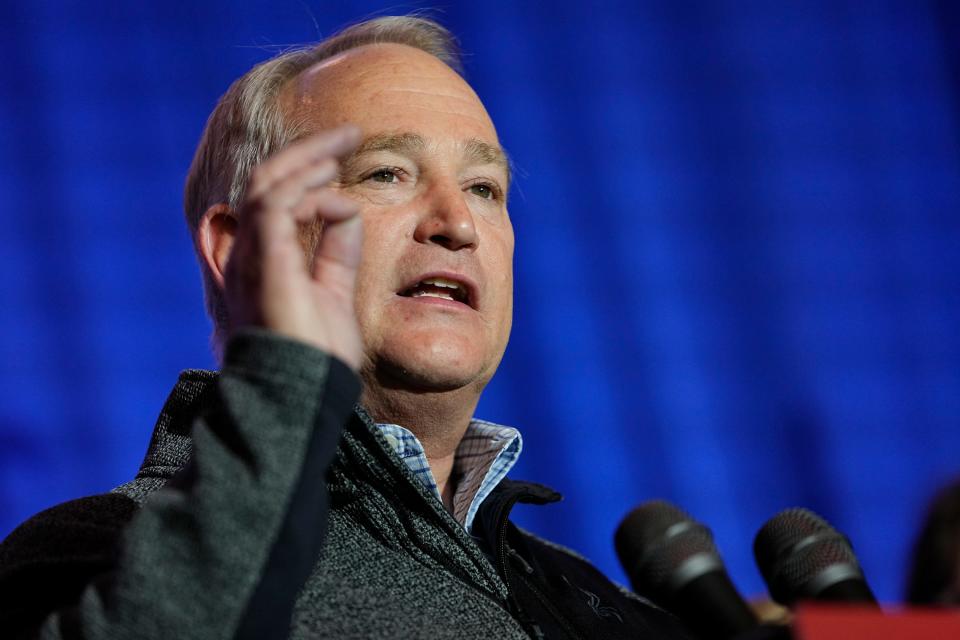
{"x": 737, "y": 268}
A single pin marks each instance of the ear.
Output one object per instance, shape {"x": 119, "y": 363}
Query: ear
{"x": 215, "y": 235}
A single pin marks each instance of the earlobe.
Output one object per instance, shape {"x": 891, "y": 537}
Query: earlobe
{"x": 215, "y": 235}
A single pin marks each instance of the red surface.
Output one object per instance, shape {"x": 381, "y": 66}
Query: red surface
{"x": 860, "y": 623}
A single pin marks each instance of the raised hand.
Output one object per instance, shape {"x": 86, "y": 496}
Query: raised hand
{"x": 268, "y": 283}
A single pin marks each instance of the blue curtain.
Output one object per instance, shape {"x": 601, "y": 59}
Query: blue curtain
{"x": 738, "y": 249}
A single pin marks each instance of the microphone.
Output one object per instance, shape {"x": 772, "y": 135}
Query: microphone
{"x": 802, "y": 557}
{"x": 671, "y": 559}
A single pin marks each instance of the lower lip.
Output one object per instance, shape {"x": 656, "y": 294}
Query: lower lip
{"x": 440, "y": 303}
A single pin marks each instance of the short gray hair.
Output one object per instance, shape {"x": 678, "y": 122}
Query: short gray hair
{"x": 247, "y": 125}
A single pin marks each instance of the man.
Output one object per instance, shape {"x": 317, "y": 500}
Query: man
{"x": 267, "y": 507}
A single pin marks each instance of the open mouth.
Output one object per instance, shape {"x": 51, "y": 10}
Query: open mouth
{"x": 438, "y": 288}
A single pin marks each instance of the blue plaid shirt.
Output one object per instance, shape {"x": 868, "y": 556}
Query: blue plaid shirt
{"x": 484, "y": 456}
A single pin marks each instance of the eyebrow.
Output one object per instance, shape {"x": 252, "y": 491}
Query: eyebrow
{"x": 402, "y": 143}
{"x": 409, "y": 144}
{"x": 486, "y": 153}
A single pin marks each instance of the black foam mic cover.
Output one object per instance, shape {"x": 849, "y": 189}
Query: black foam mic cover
{"x": 672, "y": 560}
{"x": 802, "y": 557}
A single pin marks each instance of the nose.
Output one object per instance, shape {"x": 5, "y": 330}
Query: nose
{"x": 447, "y": 221}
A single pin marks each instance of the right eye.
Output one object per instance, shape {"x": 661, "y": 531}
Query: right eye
{"x": 387, "y": 176}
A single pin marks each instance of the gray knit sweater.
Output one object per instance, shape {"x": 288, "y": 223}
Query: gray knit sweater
{"x": 221, "y": 533}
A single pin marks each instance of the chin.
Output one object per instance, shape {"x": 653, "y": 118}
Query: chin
{"x": 431, "y": 363}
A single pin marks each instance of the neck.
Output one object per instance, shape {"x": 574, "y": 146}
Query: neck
{"x": 438, "y": 419}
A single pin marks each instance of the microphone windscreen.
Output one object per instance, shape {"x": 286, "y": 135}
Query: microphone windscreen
{"x": 671, "y": 559}
{"x": 802, "y": 557}
{"x": 662, "y": 548}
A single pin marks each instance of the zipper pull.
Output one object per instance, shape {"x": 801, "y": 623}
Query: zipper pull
{"x": 518, "y": 559}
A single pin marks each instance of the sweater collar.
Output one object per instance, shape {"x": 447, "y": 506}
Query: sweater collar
{"x": 171, "y": 445}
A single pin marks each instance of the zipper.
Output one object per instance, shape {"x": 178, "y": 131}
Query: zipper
{"x": 569, "y": 628}
{"x": 414, "y": 485}
{"x": 502, "y": 525}
{"x": 511, "y": 606}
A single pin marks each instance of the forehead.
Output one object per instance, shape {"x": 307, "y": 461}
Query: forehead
{"x": 387, "y": 87}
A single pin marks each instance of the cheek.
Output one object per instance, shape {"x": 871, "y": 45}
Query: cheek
{"x": 365, "y": 307}
{"x": 499, "y": 234}
{"x": 381, "y": 235}
{"x": 383, "y": 242}
{"x": 500, "y": 261}
{"x": 371, "y": 282}
{"x": 385, "y": 230}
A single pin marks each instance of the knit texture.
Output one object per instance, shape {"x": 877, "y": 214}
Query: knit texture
{"x": 395, "y": 563}
{"x": 268, "y": 507}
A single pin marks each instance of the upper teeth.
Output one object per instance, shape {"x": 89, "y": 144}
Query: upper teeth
{"x": 456, "y": 290}
{"x": 441, "y": 282}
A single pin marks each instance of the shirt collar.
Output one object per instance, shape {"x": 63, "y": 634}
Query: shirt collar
{"x": 485, "y": 455}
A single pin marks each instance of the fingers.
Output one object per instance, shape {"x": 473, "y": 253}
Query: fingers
{"x": 310, "y": 151}
{"x": 301, "y": 194}
{"x": 288, "y": 188}
{"x": 338, "y": 254}
{"x": 298, "y": 197}
{"x": 267, "y": 283}
{"x": 330, "y": 205}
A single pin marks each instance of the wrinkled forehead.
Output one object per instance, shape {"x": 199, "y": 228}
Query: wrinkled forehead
{"x": 386, "y": 86}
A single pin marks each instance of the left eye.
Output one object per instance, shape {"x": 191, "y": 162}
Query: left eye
{"x": 383, "y": 175}
{"x": 482, "y": 190}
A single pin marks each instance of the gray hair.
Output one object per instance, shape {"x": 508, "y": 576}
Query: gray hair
{"x": 247, "y": 125}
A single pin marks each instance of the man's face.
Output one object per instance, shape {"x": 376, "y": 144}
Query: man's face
{"x": 435, "y": 286}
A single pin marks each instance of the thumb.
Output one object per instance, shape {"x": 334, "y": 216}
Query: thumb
{"x": 338, "y": 254}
